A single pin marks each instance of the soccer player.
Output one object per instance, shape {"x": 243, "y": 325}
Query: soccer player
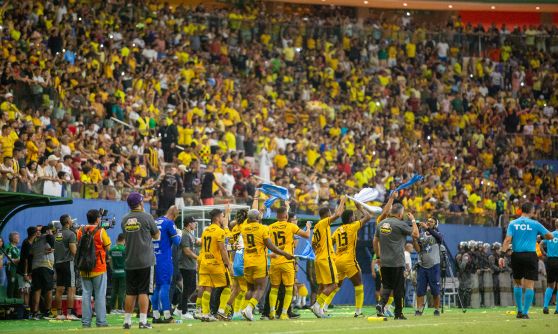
{"x": 551, "y": 267}
{"x": 282, "y": 270}
{"x": 239, "y": 287}
{"x": 522, "y": 236}
{"x": 214, "y": 264}
{"x": 326, "y": 271}
{"x": 345, "y": 237}
{"x": 256, "y": 239}
{"x": 163, "y": 265}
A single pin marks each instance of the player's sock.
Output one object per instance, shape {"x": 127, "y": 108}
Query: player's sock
{"x": 390, "y": 301}
{"x": 320, "y": 300}
{"x": 155, "y": 299}
{"x": 303, "y": 302}
{"x": 143, "y": 318}
{"x": 529, "y": 294}
{"x": 225, "y": 295}
{"x": 287, "y": 300}
{"x": 252, "y": 303}
{"x": 128, "y": 318}
{"x": 548, "y": 297}
{"x": 245, "y": 303}
{"x": 329, "y": 298}
{"x": 166, "y": 314}
{"x": 273, "y": 299}
{"x": 198, "y": 303}
{"x": 206, "y": 298}
{"x": 359, "y": 298}
{"x": 238, "y": 302}
{"x": 156, "y": 314}
{"x": 518, "y": 296}
{"x": 165, "y": 298}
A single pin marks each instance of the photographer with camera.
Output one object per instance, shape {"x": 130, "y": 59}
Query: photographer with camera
{"x": 65, "y": 247}
{"x": 428, "y": 271}
{"x": 93, "y": 239}
{"x": 42, "y": 271}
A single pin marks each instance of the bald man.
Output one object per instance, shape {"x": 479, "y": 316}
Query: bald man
{"x": 163, "y": 267}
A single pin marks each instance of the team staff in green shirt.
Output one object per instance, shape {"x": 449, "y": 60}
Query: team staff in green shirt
{"x": 117, "y": 256}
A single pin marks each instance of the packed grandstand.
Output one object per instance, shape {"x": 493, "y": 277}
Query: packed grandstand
{"x": 325, "y": 104}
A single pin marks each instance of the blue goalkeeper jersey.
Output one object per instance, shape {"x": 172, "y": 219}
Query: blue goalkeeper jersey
{"x": 163, "y": 246}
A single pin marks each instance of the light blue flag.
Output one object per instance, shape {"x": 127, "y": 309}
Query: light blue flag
{"x": 275, "y": 193}
{"x": 307, "y": 253}
{"x": 416, "y": 178}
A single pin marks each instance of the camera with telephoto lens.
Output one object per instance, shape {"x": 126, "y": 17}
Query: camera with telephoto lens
{"x": 106, "y": 222}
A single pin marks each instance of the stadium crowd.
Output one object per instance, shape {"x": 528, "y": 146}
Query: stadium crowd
{"x": 98, "y": 97}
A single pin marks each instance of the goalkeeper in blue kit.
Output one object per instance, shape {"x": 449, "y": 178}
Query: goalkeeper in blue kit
{"x": 163, "y": 265}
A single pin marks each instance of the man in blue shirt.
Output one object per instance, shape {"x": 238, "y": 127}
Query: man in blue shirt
{"x": 551, "y": 267}
{"x": 163, "y": 265}
{"x": 522, "y": 235}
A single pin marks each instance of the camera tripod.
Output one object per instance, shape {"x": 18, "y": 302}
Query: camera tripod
{"x": 445, "y": 267}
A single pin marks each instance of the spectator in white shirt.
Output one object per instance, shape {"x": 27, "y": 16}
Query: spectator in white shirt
{"x": 442, "y": 49}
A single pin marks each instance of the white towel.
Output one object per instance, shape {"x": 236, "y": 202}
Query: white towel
{"x": 367, "y": 195}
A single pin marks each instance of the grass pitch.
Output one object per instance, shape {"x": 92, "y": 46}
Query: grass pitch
{"x": 480, "y": 321}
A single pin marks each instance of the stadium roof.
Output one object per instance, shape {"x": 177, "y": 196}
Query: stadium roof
{"x": 547, "y": 6}
{"x": 12, "y": 203}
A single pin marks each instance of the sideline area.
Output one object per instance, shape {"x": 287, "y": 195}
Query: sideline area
{"x": 496, "y": 320}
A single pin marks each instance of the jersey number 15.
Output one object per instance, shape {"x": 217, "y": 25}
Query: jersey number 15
{"x": 279, "y": 238}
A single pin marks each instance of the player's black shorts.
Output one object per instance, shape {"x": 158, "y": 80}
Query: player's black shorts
{"x": 42, "y": 279}
{"x": 525, "y": 265}
{"x": 552, "y": 269}
{"x": 139, "y": 281}
{"x": 65, "y": 274}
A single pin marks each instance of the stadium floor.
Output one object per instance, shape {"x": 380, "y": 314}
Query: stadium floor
{"x": 495, "y": 320}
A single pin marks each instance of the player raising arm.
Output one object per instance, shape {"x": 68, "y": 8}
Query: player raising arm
{"x": 256, "y": 239}
{"x": 326, "y": 272}
{"x": 345, "y": 238}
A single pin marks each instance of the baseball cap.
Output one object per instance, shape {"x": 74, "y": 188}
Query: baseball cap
{"x": 134, "y": 199}
{"x": 52, "y": 157}
{"x": 253, "y": 215}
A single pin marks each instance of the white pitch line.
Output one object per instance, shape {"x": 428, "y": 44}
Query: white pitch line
{"x": 409, "y": 325}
